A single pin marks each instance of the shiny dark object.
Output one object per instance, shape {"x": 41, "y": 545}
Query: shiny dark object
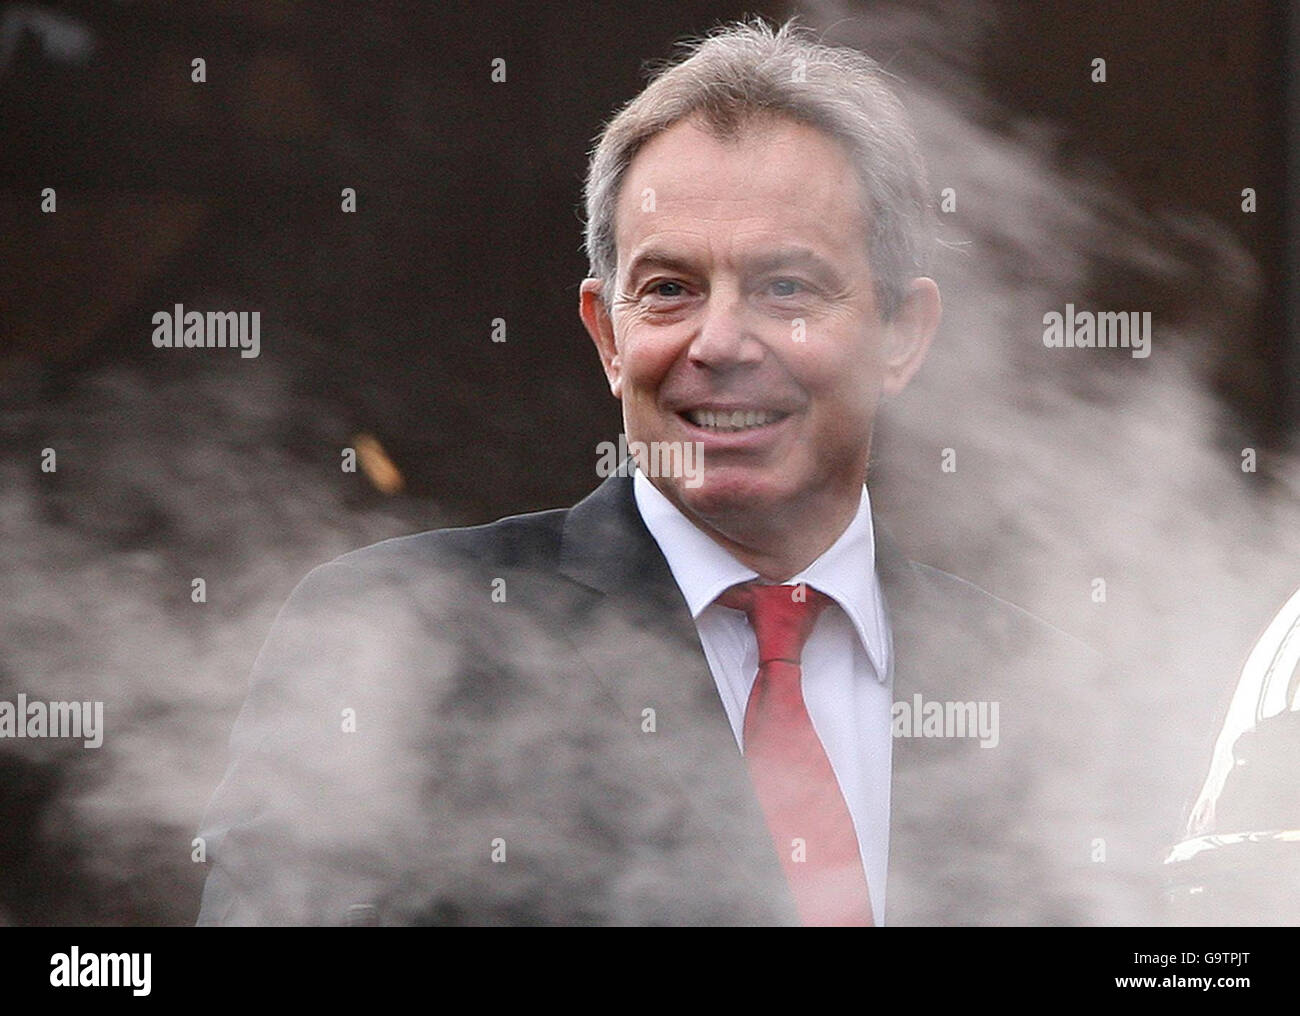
{"x": 1240, "y": 862}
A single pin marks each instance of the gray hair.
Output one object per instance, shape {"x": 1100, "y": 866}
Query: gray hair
{"x": 744, "y": 71}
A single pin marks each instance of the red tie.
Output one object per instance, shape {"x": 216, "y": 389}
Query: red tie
{"x": 796, "y": 786}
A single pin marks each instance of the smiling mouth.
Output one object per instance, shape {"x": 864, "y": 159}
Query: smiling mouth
{"x": 724, "y": 420}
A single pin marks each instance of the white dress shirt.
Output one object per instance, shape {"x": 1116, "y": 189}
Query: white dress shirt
{"x": 847, "y": 672}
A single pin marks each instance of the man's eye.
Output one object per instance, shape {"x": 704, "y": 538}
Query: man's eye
{"x": 785, "y": 287}
{"x": 668, "y": 289}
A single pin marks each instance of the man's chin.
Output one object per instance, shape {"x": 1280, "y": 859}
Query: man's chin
{"x": 722, "y": 497}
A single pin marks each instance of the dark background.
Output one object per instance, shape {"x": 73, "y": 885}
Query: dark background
{"x": 226, "y": 194}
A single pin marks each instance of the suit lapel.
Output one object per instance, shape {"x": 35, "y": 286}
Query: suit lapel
{"x": 637, "y": 637}
{"x": 945, "y": 792}
{"x": 903, "y": 596}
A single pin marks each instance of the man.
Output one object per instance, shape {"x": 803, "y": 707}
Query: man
{"x": 714, "y": 696}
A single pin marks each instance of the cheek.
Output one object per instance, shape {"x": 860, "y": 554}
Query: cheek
{"x": 646, "y": 356}
{"x": 836, "y": 370}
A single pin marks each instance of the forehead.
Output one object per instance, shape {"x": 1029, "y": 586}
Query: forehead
{"x": 777, "y": 181}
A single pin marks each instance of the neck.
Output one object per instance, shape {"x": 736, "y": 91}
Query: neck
{"x": 780, "y": 546}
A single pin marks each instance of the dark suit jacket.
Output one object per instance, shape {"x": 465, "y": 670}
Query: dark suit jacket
{"x": 515, "y": 723}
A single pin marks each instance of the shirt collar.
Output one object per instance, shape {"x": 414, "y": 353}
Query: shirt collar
{"x": 846, "y": 571}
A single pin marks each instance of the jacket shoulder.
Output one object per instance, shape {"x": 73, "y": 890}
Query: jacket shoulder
{"x": 530, "y": 541}
{"x": 983, "y": 614}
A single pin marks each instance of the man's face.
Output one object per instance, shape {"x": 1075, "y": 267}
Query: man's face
{"x": 745, "y": 319}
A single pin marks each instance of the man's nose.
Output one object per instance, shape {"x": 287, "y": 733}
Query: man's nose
{"x": 726, "y": 336}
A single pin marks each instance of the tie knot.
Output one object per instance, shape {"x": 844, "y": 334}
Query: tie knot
{"x": 782, "y": 616}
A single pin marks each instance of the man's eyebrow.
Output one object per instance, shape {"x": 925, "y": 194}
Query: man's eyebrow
{"x": 792, "y": 257}
{"x": 655, "y": 257}
{"x": 755, "y": 264}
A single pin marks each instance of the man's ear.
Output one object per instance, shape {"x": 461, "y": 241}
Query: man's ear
{"x": 908, "y": 335}
{"x": 596, "y": 319}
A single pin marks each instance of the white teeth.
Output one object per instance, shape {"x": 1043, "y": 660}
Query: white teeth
{"x": 737, "y": 419}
